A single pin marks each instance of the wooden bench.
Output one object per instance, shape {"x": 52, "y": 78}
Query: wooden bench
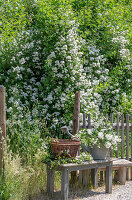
{"x": 67, "y": 168}
{"x": 120, "y": 166}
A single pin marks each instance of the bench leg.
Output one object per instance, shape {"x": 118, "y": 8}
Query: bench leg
{"x": 65, "y": 184}
{"x": 127, "y": 174}
{"x": 109, "y": 179}
{"x": 131, "y": 173}
{"x": 94, "y": 175}
{"x": 50, "y": 181}
{"x": 122, "y": 175}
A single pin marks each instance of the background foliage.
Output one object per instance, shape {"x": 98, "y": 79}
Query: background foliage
{"x": 49, "y": 49}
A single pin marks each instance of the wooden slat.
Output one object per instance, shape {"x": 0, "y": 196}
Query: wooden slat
{"x": 86, "y": 177}
{"x": 122, "y": 136}
{"x": 84, "y": 121}
{"x": 111, "y": 120}
{"x": 127, "y": 143}
{"x": 127, "y": 137}
{"x": 94, "y": 175}
{"x": 104, "y": 169}
{"x": 117, "y": 133}
{"x": 101, "y": 175}
{"x": 89, "y": 122}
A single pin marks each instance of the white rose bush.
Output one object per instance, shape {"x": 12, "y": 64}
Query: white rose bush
{"x": 48, "y": 51}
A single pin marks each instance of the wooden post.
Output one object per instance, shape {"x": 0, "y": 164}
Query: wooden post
{"x": 122, "y": 175}
{"x": 76, "y": 125}
{"x": 76, "y": 113}
{"x": 50, "y": 181}
{"x": 2, "y": 126}
{"x": 109, "y": 179}
{"x": 65, "y": 184}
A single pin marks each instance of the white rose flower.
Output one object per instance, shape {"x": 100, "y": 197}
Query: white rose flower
{"x": 109, "y": 136}
{"x": 89, "y": 131}
{"x": 108, "y": 145}
{"x": 101, "y": 135}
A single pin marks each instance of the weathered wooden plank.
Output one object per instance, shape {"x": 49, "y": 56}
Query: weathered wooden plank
{"x": 122, "y": 136}
{"x": 50, "y": 181}
{"x": 117, "y": 133}
{"x": 127, "y": 143}
{"x": 117, "y": 163}
{"x": 104, "y": 168}
{"x": 65, "y": 184}
{"x": 84, "y": 166}
{"x": 122, "y": 162}
{"x": 94, "y": 175}
{"x": 89, "y": 163}
{"x": 109, "y": 179}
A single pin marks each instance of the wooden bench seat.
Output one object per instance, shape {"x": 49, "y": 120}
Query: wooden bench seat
{"x": 67, "y": 168}
{"x": 120, "y": 167}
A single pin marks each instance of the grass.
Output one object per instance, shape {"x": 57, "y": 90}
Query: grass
{"x": 24, "y": 181}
